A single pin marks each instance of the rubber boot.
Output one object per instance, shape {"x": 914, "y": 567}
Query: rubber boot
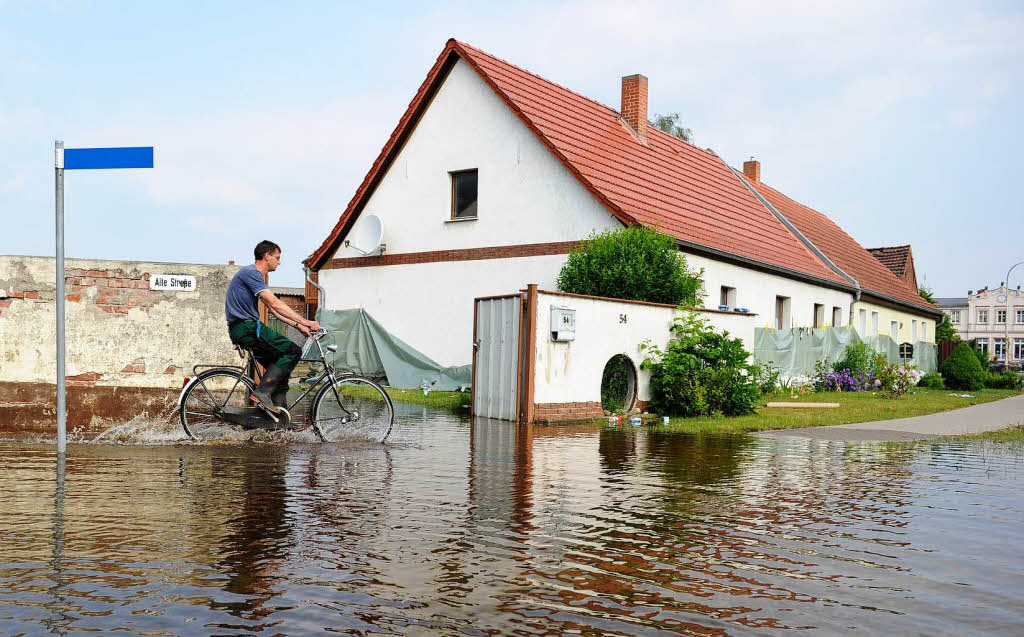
{"x": 280, "y": 394}
{"x": 264, "y": 392}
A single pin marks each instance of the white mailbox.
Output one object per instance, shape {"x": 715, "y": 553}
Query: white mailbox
{"x": 563, "y": 324}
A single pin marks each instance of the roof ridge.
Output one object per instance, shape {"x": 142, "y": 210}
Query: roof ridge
{"x": 474, "y": 49}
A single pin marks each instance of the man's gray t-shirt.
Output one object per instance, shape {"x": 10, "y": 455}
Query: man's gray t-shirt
{"x": 240, "y": 304}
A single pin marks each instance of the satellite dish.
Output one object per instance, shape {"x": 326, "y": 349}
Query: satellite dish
{"x": 366, "y": 237}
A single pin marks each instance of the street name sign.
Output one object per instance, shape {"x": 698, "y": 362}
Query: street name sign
{"x": 172, "y": 282}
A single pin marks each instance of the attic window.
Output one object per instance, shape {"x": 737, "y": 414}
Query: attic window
{"x": 464, "y": 194}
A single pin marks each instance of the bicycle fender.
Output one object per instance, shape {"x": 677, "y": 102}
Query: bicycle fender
{"x": 184, "y": 389}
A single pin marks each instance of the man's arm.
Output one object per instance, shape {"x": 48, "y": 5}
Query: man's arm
{"x": 287, "y": 315}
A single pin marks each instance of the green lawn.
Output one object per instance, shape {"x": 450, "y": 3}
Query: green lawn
{"x": 854, "y": 407}
{"x": 450, "y": 400}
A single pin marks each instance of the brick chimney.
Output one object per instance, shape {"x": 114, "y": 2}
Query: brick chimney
{"x": 634, "y": 103}
{"x": 752, "y": 170}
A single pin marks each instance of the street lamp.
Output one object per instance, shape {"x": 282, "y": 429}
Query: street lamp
{"x": 1006, "y": 323}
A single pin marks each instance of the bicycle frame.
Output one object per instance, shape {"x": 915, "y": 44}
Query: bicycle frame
{"x": 327, "y": 373}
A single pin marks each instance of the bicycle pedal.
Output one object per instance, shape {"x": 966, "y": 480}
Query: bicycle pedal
{"x": 266, "y": 411}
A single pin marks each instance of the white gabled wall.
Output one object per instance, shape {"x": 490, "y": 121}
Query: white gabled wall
{"x": 525, "y": 194}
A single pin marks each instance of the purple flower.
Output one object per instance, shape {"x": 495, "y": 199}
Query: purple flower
{"x": 878, "y": 383}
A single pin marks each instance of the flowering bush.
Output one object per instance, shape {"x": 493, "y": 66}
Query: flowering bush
{"x": 701, "y": 372}
{"x": 843, "y": 380}
{"x": 895, "y": 380}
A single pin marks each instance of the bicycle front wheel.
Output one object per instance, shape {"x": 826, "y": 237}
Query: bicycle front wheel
{"x": 352, "y": 408}
{"x": 204, "y": 400}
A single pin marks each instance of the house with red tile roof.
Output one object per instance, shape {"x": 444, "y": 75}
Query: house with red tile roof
{"x": 493, "y": 174}
{"x": 900, "y": 261}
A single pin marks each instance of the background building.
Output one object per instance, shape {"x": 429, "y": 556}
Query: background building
{"x": 993, "y": 319}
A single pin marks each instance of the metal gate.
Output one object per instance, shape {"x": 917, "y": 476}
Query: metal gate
{"x": 496, "y": 358}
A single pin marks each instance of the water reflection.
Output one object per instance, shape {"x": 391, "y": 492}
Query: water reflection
{"x": 484, "y": 527}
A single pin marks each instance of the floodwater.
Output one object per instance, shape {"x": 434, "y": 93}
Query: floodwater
{"x": 461, "y": 527}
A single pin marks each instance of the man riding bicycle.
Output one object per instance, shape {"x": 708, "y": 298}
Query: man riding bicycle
{"x": 276, "y": 353}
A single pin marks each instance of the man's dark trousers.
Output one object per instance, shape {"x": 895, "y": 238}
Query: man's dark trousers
{"x": 269, "y": 348}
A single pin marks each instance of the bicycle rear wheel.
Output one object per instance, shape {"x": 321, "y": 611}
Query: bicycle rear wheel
{"x": 352, "y": 408}
{"x": 203, "y": 401}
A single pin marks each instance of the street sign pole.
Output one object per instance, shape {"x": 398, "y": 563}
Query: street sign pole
{"x": 58, "y": 163}
{"x": 80, "y": 159}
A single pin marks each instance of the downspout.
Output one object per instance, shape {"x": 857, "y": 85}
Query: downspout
{"x": 807, "y": 242}
{"x": 320, "y": 291}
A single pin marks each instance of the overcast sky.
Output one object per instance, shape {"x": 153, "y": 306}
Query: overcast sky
{"x": 902, "y": 121}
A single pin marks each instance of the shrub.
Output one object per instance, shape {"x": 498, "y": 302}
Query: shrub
{"x": 932, "y": 380}
{"x": 633, "y": 263}
{"x": 858, "y": 357}
{"x": 615, "y": 381}
{"x": 701, "y": 372}
{"x": 1005, "y": 380}
{"x": 983, "y": 358}
{"x": 894, "y": 379}
{"x": 767, "y": 376}
{"x": 962, "y": 370}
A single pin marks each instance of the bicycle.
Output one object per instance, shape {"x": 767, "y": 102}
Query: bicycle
{"x": 344, "y": 406}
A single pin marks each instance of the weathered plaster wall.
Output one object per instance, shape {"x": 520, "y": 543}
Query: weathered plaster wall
{"x": 118, "y": 331}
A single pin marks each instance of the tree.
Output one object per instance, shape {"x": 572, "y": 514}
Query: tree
{"x": 927, "y": 294}
{"x": 670, "y": 124}
{"x": 634, "y": 263}
{"x": 944, "y": 331}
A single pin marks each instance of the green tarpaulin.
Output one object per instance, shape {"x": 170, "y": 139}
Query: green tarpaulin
{"x": 366, "y": 348}
{"x": 795, "y": 350}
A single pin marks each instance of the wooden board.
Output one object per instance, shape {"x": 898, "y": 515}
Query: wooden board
{"x": 817, "y": 405}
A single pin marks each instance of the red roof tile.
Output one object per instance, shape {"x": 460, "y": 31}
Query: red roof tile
{"x": 893, "y": 257}
{"x": 843, "y": 250}
{"x": 684, "y": 191}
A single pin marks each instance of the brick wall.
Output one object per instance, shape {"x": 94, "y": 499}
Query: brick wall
{"x": 565, "y": 412}
{"x": 118, "y": 332}
{"x": 296, "y": 303}
{"x": 634, "y": 102}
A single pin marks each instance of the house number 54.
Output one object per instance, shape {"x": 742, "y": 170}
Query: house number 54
{"x": 622, "y": 318}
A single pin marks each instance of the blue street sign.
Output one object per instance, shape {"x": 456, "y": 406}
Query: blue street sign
{"x": 94, "y": 158}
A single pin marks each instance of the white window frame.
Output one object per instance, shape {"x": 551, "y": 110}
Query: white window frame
{"x": 999, "y": 348}
{"x": 924, "y": 331}
{"x": 837, "y": 316}
{"x": 954, "y": 316}
{"x": 783, "y": 305}
{"x": 894, "y": 330}
{"x": 728, "y": 295}
{"x": 913, "y": 330}
{"x": 982, "y": 317}
{"x": 1020, "y": 316}
{"x": 1001, "y": 313}
{"x": 874, "y": 323}
{"x": 1018, "y": 348}
{"x": 862, "y": 320}
{"x": 981, "y": 344}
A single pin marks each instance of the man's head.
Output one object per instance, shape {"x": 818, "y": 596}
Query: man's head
{"x": 269, "y": 253}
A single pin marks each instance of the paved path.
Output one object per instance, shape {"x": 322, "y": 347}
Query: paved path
{"x": 998, "y": 414}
